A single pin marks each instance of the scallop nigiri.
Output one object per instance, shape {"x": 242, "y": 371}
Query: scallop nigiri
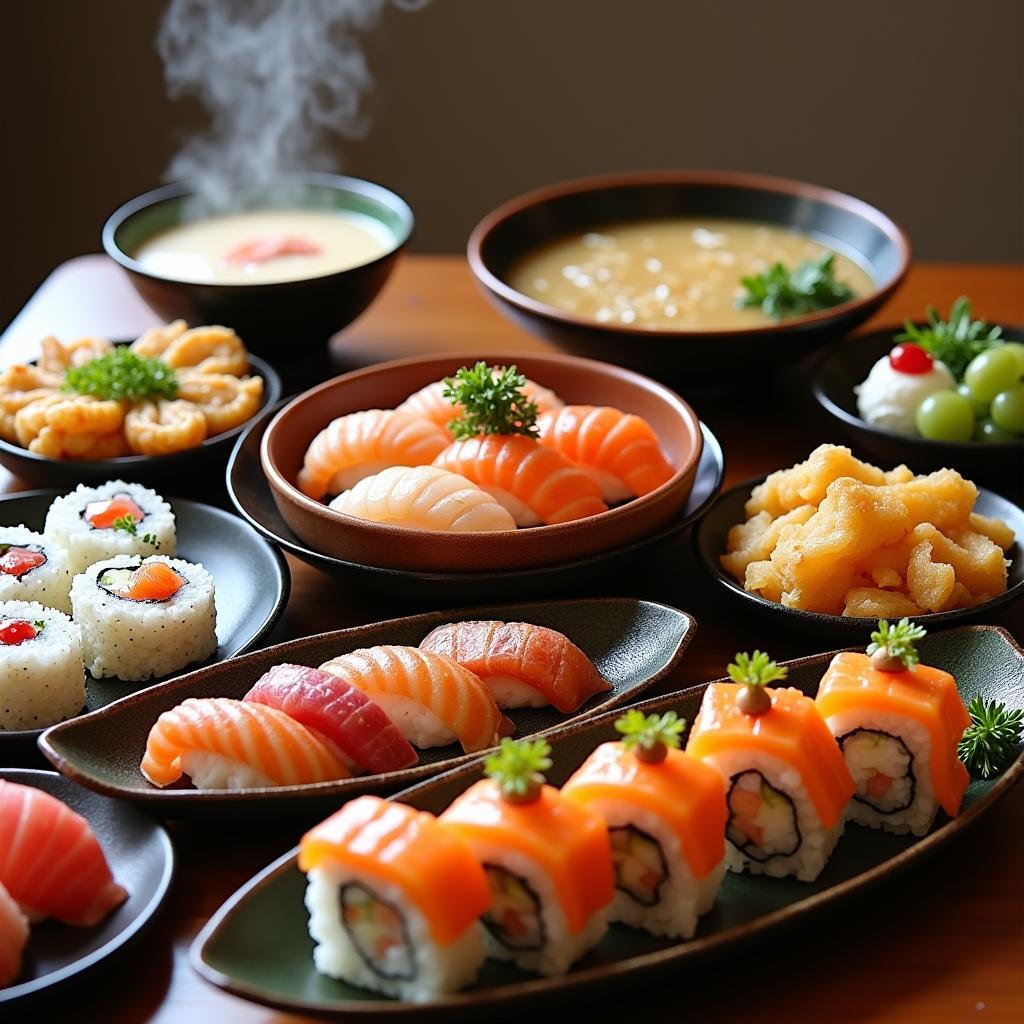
{"x": 233, "y": 744}
{"x": 432, "y": 699}
{"x": 618, "y": 450}
{"x": 51, "y": 862}
{"x": 523, "y": 665}
{"x": 424, "y": 498}
{"x": 352, "y": 447}
{"x": 13, "y": 937}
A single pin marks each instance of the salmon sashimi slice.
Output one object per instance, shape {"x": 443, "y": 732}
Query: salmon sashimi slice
{"x": 433, "y": 867}
{"x": 51, "y": 862}
{"x": 543, "y": 660}
{"x": 536, "y": 484}
{"x": 430, "y": 403}
{"x": 361, "y": 444}
{"x": 16, "y": 560}
{"x": 281, "y": 751}
{"x": 925, "y": 694}
{"x": 619, "y": 449}
{"x": 152, "y": 581}
{"x": 269, "y": 247}
{"x": 13, "y": 937}
{"x": 432, "y": 699}
{"x": 102, "y": 515}
{"x": 338, "y": 710}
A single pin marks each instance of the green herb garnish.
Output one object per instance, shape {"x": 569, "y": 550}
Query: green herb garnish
{"x": 126, "y": 524}
{"x": 40, "y": 625}
{"x": 517, "y": 768}
{"x": 650, "y": 737}
{"x": 150, "y": 538}
{"x": 492, "y": 401}
{"x": 779, "y": 292}
{"x": 122, "y": 374}
{"x": 753, "y": 673}
{"x": 894, "y": 648}
{"x": 955, "y": 341}
{"x": 990, "y": 742}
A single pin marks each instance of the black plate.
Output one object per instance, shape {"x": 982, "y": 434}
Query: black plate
{"x": 251, "y": 579}
{"x": 142, "y": 860}
{"x": 709, "y": 540}
{"x": 249, "y": 491}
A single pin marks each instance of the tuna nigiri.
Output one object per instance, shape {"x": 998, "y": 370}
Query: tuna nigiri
{"x": 431, "y": 699}
{"x": 361, "y": 444}
{"x": 522, "y": 664}
{"x": 232, "y": 744}
{"x": 13, "y": 937}
{"x": 334, "y": 708}
{"x": 50, "y": 860}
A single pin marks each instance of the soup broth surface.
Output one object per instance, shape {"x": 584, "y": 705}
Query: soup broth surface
{"x": 205, "y": 251}
{"x": 673, "y": 273}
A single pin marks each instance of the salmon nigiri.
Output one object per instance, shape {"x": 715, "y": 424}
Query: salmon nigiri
{"x": 618, "y": 450}
{"x": 233, "y": 744}
{"x": 360, "y": 444}
{"x": 13, "y": 937}
{"x": 431, "y": 699}
{"x": 50, "y": 860}
{"x": 522, "y": 664}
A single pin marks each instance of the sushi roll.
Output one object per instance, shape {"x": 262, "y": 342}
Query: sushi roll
{"x": 33, "y": 568}
{"x": 93, "y": 523}
{"x": 523, "y": 665}
{"x": 233, "y": 744}
{"x": 431, "y": 699}
{"x": 338, "y": 711}
{"x": 13, "y": 937}
{"x": 142, "y": 618}
{"x": 42, "y": 677}
{"x": 547, "y": 859}
{"x": 786, "y": 781}
{"x": 51, "y": 862}
{"x": 618, "y": 450}
{"x": 361, "y": 444}
{"x": 898, "y": 724}
{"x": 394, "y": 901}
{"x": 424, "y": 498}
{"x": 665, "y": 812}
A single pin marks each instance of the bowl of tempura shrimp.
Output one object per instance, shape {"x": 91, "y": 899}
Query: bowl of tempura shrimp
{"x": 166, "y": 406}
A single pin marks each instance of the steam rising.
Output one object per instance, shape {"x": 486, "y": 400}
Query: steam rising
{"x": 279, "y": 78}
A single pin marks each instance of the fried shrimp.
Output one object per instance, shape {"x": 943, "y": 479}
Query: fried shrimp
{"x": 31, "y": 419}
{"x": 83, "y": 414}
{"x": 22, "y": 377}
{"x": 56, "y": 444}
{"x": 155, "y": 341}
{"x": 162, "y": 427}
{"x": 209, "y": 350}
{"x": 224, "y": 400}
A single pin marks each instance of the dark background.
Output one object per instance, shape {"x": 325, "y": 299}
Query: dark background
{"x": 915, "y": 105}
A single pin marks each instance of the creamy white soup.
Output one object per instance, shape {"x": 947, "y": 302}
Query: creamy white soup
{"x": 265, "y": 246}
{"x": 673, "y": 273}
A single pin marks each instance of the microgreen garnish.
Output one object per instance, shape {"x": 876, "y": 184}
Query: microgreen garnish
{"x": 126, "y": 524}
{"x": 754, "y": 672}
{"x": 955, "y": 341}
{"x": 779, "y": 292}
{"x": 492, "y": 402}
{"x": 990, "y": 742}
{"x": 150, "y": 538}
{"x": 894, "y": 648}
{"x": 517, "y": 768}
{"x": 122, "y": 374}
{"x": 40, "y": 625}
{"x": 650, "y": 737}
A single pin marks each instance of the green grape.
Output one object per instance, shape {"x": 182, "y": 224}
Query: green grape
{"x": 987, "y": 430}
{"x": 945, "y": 416}
{"x": 1008, "y": 409}
{"x": 1017, "y": 348}
{"x": 980, "y": 408}
{"x": 993, "y": 371}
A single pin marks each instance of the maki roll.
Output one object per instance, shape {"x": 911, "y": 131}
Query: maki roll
{"x": 33, "y": 568}
{"x": 42, "y": 678}
{"x": 116, "y": 518}
{"x": 547, "y": 859}
{"x": 666, "y": 815}
{"x": 898, "y": 724}
{"x": 786, "y": 781}
{"x": 142, "y": 618}
{"x": 394, "y": 900}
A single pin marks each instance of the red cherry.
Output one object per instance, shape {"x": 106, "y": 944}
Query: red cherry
{"x": 16, "y": 631}
{"x": 910, "y": 358}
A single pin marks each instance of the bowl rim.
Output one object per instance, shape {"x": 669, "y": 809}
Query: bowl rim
{"x": 177, "y": 189}
{"x": 837, "y": 355}
{"x": 736, "y": 180}
{"x": 279, "y": 482}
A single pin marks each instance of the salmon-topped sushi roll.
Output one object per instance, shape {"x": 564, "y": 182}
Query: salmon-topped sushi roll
{"x": 523, "y": 665}
{"x": 618, "y": 450}
{"x": 786, "y": 782}
{"x": 13, "y": 937}
{"x": 666, "y": 814}
{"x": 547, "y": 859}
{"x": 394, "y": 900}
{"x": 361, "y": 444}
{"x": 898, "y": 723}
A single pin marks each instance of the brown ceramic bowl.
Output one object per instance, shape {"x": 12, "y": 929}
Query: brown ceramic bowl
{"x": 696, "y": 357}
{"x": 385, "y": 385}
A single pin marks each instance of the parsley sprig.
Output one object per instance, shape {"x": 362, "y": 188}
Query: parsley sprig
{"x": 128, "y": 524}
{"x": 517, "y": 768}
{"x": 779, "y": 292}
{"x": 650, "y": 737}
{"x": 754, "y": 672}
{"x": 122, "y": 374}
{"x": 990, "y": 742}
{"x": 894, "y": 648}
{"x": 955, "y": 341}
{"x": 492, "y": 401}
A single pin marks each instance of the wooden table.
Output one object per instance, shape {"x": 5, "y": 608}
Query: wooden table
{"x": 943, "y": 943}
